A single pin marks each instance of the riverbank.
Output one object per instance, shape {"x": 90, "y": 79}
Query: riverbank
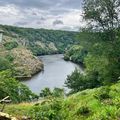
{"x": 54, "y": 75}
{"x": 21, "y": 61}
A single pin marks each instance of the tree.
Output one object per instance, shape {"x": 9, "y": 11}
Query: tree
{"x": 104, "y": 21}
{"x": 4, "y": 64}
{"x": 76, "y": 53}
{"x": 75, "y": 81}
{"x": 58, "y": 92}
{"x": 9, "y": 86}
{"x": 78, "y": 81}
{"x": 103, "y": 15}
{"x": 45, "y": 92}
{"x": 101, "y": 38}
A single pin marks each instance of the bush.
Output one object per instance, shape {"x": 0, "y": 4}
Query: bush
{"x": 17, "y": 91}
{"x": 103, "y": 93}
{"x": 9, "y": 57}
{"x": 76, "y": 54}
{"x": 78, "y": 81}
{"x": 10, "y": 45}
{"x": 49, "y": 111}
{"x": 57, "y": 92}
{"x": 83, "y": 110}
{"x": 45, "y": 92}
{"x": 4, "y": 64}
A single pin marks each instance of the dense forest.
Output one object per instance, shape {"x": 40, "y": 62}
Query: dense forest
{"x": 94, "y": 94}
{"x": 19, "y": 44}
{"x": 41, "y": 41}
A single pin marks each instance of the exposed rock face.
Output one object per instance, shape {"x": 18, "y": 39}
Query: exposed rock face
{"x": 5, "y": 116}
{"x": 52, "y": 46}
{"x": 26, "y": 64}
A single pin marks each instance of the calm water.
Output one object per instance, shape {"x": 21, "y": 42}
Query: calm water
{"x": 55, "y": 73}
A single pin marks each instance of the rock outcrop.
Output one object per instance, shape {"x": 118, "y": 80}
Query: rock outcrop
{"x": 26, "y": 64}
{"x": 5, "y": 116}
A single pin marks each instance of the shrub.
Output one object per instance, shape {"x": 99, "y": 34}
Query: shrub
{"x": 83, "y": 110}
{"x": 9, "y": 57}
{"x": 45, "y": 92}
{"x": 103, "y": 93}
{"x": 49, "y": 111}
{"x": 76, "y": 54}
{"x": 57, "y": 92}
{"x": 4, "y": 64}
{"x": 78, "y": 81}
{"x": 17, "y": 91}
{"x": 10, "y": 45}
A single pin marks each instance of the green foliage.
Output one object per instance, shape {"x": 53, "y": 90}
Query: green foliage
{"x": 93, "y": 12}
{"x": 50, "y": 110}
{"x": 9, "y": 57}
{"x": 101, "y": 39}
{"x": 17, "y": 91}
{"x": 81, "y": 106}
{"x": 4, "y": 64}
{"x": 103, "y": 93}
{"x": 76, "y": 54}
{"x": 57, "y": 93}
{"x": 83, "y": 110}
{"x": 10, "y": 45}
{"x": 31, "y": 37}
{"x": 78, "y": 81}
{"x": 75, "y": 81}
{"x": 104, "y": 51}
{"x": 45, "y": 92}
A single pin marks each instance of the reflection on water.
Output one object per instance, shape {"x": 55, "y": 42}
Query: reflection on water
{"x": 55, "y": 73}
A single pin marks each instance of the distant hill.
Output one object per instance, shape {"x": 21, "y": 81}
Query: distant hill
{"x": 41, "y": 41}
{"x": 18, "y": 43}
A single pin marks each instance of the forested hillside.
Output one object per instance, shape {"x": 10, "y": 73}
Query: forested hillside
{"x": 41, "y": 41}
{"x": 94, "y": 94}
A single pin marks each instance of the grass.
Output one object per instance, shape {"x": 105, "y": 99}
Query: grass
{"x": 18, "y": 110}
{"x": 93, "y": 104}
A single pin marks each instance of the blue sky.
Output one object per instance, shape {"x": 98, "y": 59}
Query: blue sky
{"x": 49, "y": 14}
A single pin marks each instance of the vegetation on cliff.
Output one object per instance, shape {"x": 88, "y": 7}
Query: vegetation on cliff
{"x": 18, "y": 58}
{"x": 76, "y": 53}
{"x": 40, "y": 41}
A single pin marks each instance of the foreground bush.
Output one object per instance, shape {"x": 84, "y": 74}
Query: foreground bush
{"x": 17, "y": 91}
{"x": 48, "y": 110}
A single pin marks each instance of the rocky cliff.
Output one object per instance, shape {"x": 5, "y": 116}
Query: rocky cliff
{"x": 22, "y": 60}
{"x": 26, "y": 64}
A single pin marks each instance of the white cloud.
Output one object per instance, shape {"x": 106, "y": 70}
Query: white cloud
{"x": 9, "y": 14}
{"x": 37, "y": 18}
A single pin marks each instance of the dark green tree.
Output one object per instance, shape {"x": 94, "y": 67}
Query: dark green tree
{"x": 104, "y": 21}
{"x": 9, "y": 86}
{"x": 45, "y": 92}
{"x": 4, "y": 64}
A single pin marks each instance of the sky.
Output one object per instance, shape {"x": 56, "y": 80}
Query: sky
{"x": 48, "y": 14}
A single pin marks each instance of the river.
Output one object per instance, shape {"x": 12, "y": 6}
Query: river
{"x": 54, "y": 75}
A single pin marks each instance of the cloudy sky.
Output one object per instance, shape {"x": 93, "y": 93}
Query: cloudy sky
{"x": 49, "y": 14}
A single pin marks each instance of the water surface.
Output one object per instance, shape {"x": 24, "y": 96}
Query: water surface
{"x": 54, "y": 75}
